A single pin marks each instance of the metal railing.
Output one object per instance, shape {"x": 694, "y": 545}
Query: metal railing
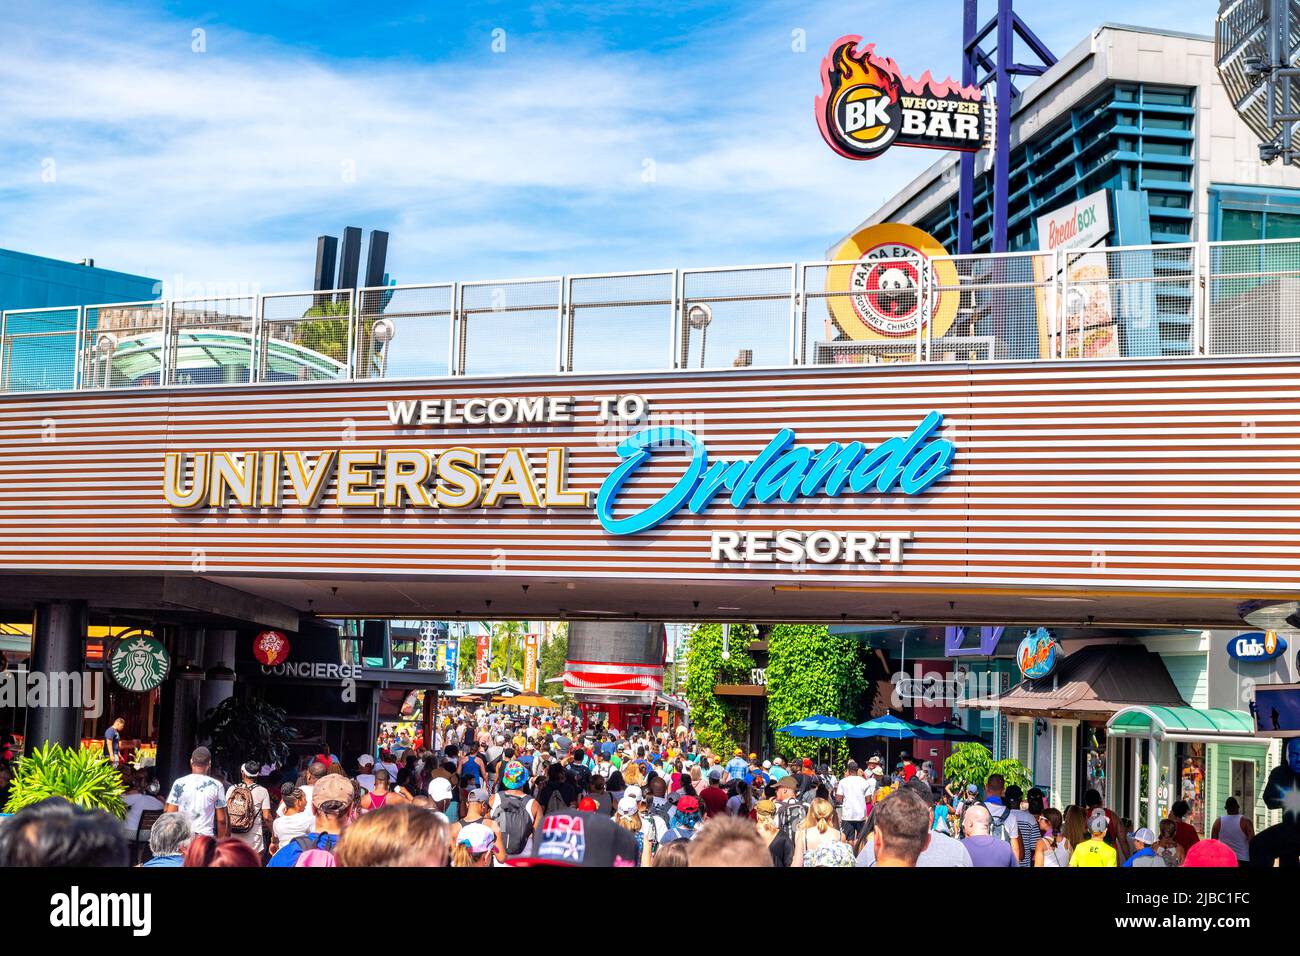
{"x": 1192, "y": 299}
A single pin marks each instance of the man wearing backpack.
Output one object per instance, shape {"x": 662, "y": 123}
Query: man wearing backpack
{"x": 790, "y": 810}
{"x": 517, "y": 814}
{"x": 559, "y": 793}
{"x": 248, "y": 808}
{"x": 1002, "y": 823}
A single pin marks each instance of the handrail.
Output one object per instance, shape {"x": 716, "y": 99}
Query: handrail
{"x": 1107, "y": 302}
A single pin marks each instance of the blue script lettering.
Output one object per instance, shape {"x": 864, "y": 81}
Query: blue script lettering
{"x": 910, "y": 464}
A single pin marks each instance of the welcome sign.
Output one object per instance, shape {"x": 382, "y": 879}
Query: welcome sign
{"x": 458, "y": 478}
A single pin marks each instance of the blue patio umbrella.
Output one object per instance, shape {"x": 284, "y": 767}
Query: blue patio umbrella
{"x": 948, "y": 731}
{"x": 817, "y": 725}
{"x": 889, "y": 727}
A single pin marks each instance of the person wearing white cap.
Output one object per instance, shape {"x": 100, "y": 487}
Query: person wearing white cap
{"x": 366, "y": 774}
{"x": 628, "y": 815}
{"x": 474, "y": 845}
{"x": 1143, "y": 854}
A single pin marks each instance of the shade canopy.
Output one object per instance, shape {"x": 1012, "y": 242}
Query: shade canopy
{"x": 527, "y": 700}
{"x": 889, "y": 727}
{"x": 948, "y": 731}
{"x": 1184, "y": 724}
{"x": 817, "y": 725}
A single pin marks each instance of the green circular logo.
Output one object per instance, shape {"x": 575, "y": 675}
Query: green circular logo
{"x": 139, "y": 662}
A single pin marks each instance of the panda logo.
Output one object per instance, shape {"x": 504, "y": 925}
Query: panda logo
{"x": 897, "y": 295}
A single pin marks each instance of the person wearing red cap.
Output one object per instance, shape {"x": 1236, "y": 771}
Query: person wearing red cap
{"x": 685, "y": 821}
{"x": 1210, "y": 852}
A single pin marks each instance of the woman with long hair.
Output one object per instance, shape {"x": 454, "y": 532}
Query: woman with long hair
{"x": 1075, "y": 826}
{"x": 474, "y": 846}
{"x": 819, "y": 842}
{"x": 628, "y": 816}
{"x": 616, "y": 786}
{"x": 206, "y": 851}
{"x": 1054, "y": 848}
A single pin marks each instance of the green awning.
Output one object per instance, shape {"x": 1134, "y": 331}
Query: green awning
{"x": 1184, "y": 724}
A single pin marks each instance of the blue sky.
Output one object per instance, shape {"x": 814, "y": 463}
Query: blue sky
{"x": 606, "y": 136}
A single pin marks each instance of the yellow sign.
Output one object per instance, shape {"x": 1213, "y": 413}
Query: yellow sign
{"x": 530, "y": 663}
{"x": 883, "y": 290}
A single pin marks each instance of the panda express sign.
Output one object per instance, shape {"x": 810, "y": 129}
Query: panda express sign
{"x": 867, "y": 105}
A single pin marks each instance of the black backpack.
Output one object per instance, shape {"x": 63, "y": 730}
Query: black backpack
{"x": 516, "y": 822}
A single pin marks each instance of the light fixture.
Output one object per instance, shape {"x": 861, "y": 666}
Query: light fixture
{"x": 219, "y": 671}
{"x": 188, "y": 670}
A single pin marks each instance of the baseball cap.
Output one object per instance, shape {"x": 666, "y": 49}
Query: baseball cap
{"x": 440, "y": 788}
{"x": 971, "y": 788}
{"x": 767, "y": 765}
{"x": 1097, "y": 823}
{"x": 765, "y": 806}
{"x": 1145, "y": 835}
{"x": 1210, "y": 852}
{"x": 587, "y": 805}
{"x": 365, "y": 760}
{"x": 331, "y": 788}
{"x": 628, "y": 806}
{"x": 634, "y": 792}
{"x": 807, "y": 762}
{"x": 874, "y": 759}
{"x": 688, "y": 804}
{"x": 477, "y": 837}
{"x": 715, "y": 774}
{"x": 753, "y": 756}
{"x": 477, "y": 795}
{"x": 786, "y": 783}
{"x": 580, "y": 839}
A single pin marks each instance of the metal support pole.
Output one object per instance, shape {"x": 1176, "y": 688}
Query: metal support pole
{"x": 1153, "y": 782}
{"x": 966, "y": 189}
{"x": 1135, "y": 785}
{"x": 1001, "y": 153}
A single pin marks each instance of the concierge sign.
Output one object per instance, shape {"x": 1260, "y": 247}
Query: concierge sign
{"x": 442, "y": 477}
{"x": 867, "y": 105}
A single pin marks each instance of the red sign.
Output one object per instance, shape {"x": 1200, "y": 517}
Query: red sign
{"x": 482, "y": 649}
{"x": 271, "y": 647}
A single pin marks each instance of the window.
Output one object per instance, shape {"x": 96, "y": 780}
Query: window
{"x": 1166, "y": 97}
{"x": 1280, "y": 225}
{"x": 1241, "y": 224}
{"x": 1166, "y": 175}
{"x": 1157, "y": 148}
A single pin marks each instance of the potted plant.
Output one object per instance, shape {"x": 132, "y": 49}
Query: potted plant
{"x": 82, "y": 776}
{"x": 251, "y": 729}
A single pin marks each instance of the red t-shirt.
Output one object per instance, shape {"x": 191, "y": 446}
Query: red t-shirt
{"x": 1185, "y": 835}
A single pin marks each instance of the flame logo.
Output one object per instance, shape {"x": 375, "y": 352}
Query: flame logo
{"x": 857, "y": 110}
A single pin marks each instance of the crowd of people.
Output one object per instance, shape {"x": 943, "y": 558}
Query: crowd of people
{"x": 495, "y": 788}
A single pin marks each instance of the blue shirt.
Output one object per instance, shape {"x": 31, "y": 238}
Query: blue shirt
{"x": 289, "y": 853}
{"x": 737, "y": 767}
{"x": 1145, "y": 851}
{"x": 171, "y": 859}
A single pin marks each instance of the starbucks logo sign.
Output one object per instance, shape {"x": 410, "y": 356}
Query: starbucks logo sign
{"x": 139, "y": 663}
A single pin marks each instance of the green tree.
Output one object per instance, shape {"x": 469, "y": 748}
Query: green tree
{"x": 717, "y": 722}
{"x": 974, "y": 763}
{"x": 809, "y": 671}
{"x": 551, "y": 659}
